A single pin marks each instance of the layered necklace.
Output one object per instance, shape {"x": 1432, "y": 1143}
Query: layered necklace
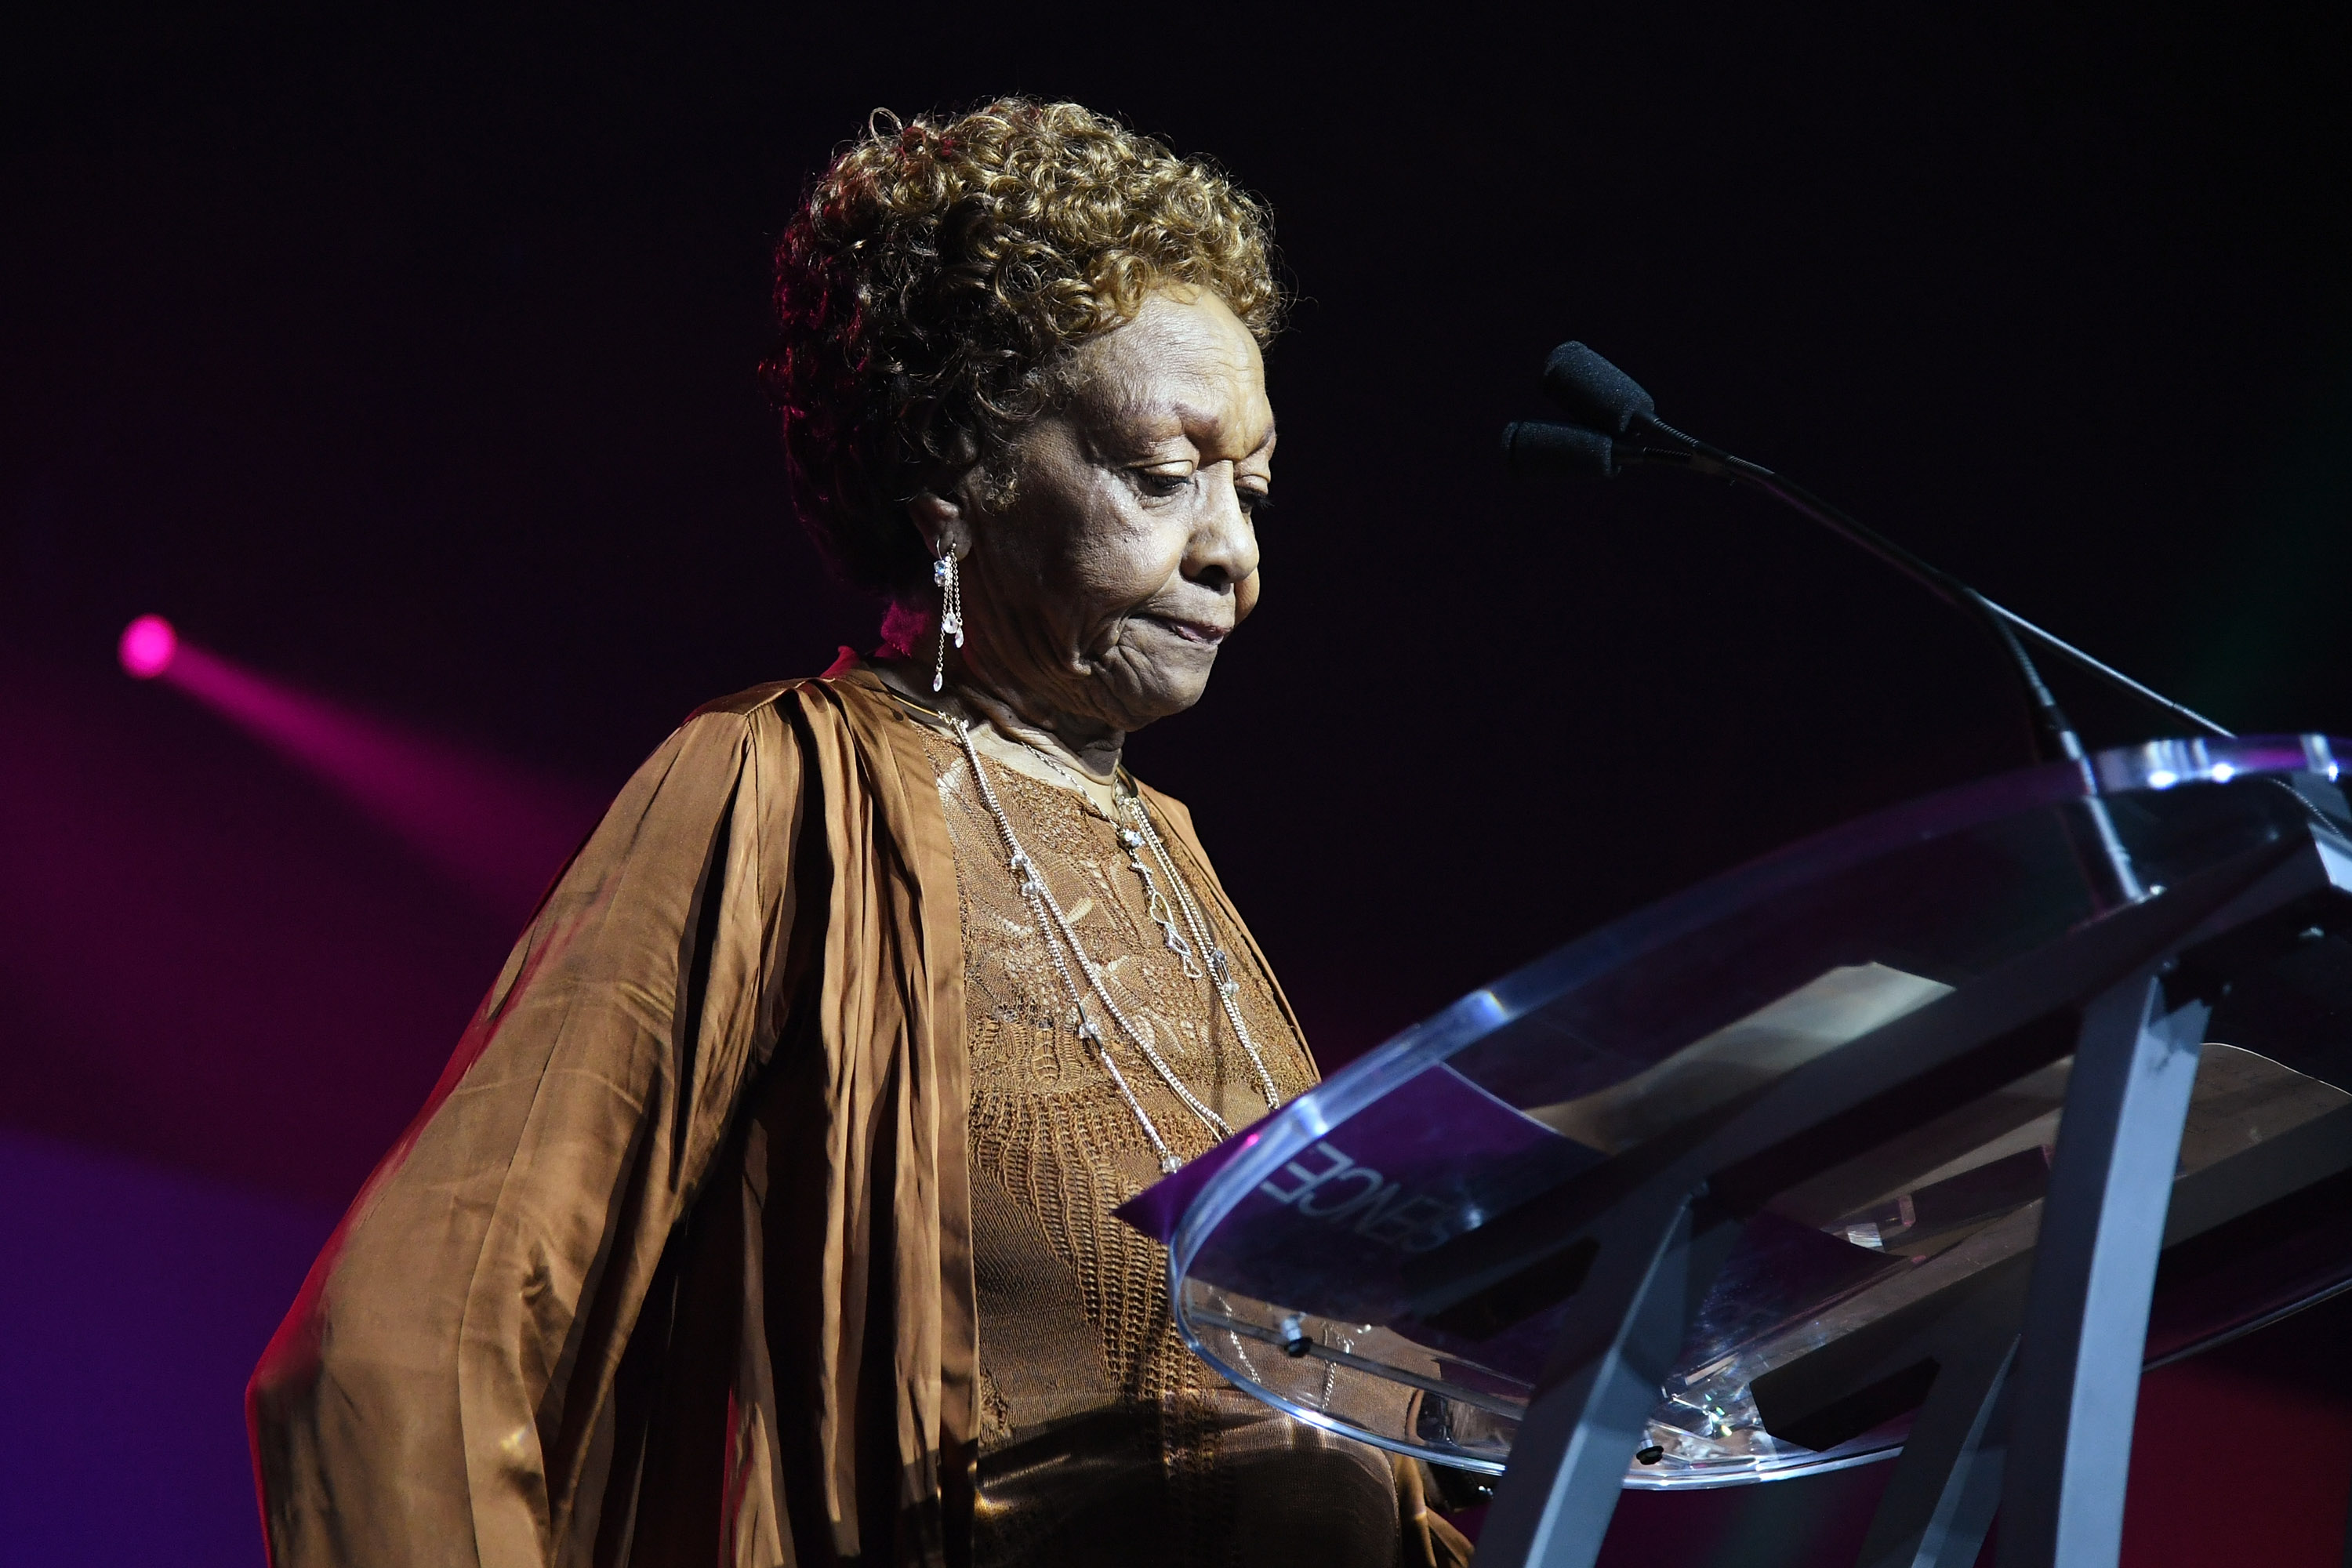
{"x": 1082, "y": 978}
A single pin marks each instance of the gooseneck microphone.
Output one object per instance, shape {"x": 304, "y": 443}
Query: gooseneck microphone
{"x": 1596, "y": 392}
{"x": 1616, "y": 421}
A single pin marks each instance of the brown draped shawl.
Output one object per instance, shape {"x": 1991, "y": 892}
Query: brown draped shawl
{"x": 675, "y": 1265}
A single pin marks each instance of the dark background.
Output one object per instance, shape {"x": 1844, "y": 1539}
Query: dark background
{"x": 409, "y": 358}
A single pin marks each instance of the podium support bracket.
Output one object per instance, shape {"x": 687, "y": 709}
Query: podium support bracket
{"x": 1654, "y": 1265}
{"x": 1946, "y": 1484}
{"x": 2078, "y": 1364}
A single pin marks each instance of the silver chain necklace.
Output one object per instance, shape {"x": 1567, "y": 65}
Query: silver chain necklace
{"x": 1070, "y": 960}
{"x": 1220, "y": 972}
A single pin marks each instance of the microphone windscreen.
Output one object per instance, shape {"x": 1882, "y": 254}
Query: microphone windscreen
{"x": 1532, "y": 448}
{"x": 1596, "y": 392}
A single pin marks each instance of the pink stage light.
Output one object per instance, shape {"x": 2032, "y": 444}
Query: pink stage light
{"x": 498, "y": 830}
{"x": 148, "y": 646}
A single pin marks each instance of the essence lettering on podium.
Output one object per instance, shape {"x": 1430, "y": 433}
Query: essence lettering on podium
{"x": 1331, "y": 1228}
{"x": 1335, "y": 1226}
{"x": 1345, "y": 1192}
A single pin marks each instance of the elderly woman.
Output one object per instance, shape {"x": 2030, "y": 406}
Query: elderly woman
{"x": 764, "y": 1215}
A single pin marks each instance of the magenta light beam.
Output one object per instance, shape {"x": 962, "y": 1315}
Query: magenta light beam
{"x": 498, "y": 830}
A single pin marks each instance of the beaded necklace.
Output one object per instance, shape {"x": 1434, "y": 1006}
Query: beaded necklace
{"x": 1070, "y": 960}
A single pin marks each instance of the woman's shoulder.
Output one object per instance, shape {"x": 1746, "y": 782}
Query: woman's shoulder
{"x": 847, "y": 684}
{"x": 750, "y": 700}
{"x": 846, "y": 710}
{"x": 771, "y": 739}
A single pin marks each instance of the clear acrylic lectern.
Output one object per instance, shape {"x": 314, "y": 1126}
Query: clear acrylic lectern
{"x": 1922, "y": 1136}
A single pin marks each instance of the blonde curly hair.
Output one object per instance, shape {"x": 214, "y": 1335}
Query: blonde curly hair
{"x": 939, "y": 274}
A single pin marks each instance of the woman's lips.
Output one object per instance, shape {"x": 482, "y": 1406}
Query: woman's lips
{"x": 1193, "y": 631}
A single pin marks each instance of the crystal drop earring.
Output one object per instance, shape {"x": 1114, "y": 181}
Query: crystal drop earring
{"x": 945, "y": 574}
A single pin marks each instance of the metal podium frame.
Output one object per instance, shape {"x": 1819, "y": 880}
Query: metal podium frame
{"x": 2033, "y": 1389}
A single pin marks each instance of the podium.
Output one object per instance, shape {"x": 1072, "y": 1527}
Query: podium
{"x": 1916, "y": 1141}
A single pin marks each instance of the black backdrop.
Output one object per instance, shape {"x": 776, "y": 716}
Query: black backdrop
{"x": 411, "y": 358}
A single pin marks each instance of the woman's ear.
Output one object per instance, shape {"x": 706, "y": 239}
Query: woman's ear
{"x": 945, "y": 529}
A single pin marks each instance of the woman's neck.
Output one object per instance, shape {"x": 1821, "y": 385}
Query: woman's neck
{"x": 1085, "y": 745}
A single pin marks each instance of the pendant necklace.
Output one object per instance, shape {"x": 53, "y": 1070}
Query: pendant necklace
{"x": 1070, "y": 960}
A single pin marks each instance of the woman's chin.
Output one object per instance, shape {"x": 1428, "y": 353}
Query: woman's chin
{"x": 1142, "y": 680}
{"x": 1138, "y": 698}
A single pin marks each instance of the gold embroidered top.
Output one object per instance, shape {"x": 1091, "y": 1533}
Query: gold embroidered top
{"x": 1102, "y": 1438}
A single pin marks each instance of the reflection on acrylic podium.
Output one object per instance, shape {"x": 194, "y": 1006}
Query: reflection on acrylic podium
{"x": 1917, "y": 1141}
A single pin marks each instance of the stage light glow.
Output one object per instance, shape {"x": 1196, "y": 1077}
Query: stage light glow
{"x": 497, "y": 829}
{"x": 148, "y": 646}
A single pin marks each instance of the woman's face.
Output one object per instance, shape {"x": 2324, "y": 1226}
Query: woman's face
{"x": 1100, "y": 592}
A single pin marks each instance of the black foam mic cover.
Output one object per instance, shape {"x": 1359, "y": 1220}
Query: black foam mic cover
{"x": 1532, "y": 448}
{"x": 1596, "y": 392}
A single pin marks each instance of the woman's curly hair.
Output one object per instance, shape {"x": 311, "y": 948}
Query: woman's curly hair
{"x": 939, "y": 274}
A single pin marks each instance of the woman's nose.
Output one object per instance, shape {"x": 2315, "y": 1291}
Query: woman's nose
{"x": 1223, "y": 547}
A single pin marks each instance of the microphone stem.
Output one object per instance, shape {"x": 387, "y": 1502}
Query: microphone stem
{"x": 2004, "y": 624}
{"x": 2054, "y": 733}
{"x": 2099, "y": 850}
{"x": 2113, "y": 675}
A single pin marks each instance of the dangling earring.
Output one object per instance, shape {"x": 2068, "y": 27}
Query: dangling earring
{"x": 951, "y": 585}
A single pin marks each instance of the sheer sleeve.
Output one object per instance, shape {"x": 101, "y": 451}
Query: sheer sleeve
{"x": 442, "y": 1390}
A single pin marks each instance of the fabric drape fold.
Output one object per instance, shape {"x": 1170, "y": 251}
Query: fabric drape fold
{"x": 449, "y": 1385}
